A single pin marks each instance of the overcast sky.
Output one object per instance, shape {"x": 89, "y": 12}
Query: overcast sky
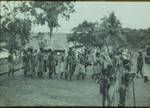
{"x": 131, "y": 14}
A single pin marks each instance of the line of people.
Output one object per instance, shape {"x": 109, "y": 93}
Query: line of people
{"x": 109, "y": 69}
{"x": 36, "y": 63}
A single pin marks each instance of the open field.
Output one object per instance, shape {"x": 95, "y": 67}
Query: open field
{"x": 21, "y": 91}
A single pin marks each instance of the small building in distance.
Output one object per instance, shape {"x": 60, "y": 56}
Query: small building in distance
{"x": 59, "y": 41}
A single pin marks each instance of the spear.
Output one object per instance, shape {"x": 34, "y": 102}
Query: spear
{"x": 107, "y": 56}
{"x": 132, "y": 79}
{"x": 133, "y": 92}
{"x": 133, "y": 85}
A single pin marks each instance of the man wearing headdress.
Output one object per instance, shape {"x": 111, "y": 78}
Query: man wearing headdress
{"x": 125, "y": 76}
{"x": 97, "y": 66}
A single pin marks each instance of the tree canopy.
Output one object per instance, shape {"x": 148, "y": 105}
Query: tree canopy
{"x": 13, "y": 27}
{"x": 39, "y": 12}
{"x": 83, "y": 33}
{"x": 51, "y": 11}
{"x": 137, "y": 38}
{"x": 95, "y": 34}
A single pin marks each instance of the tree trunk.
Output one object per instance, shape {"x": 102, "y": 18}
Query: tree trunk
{"x": 50, "y": 34}
{"x": 12, "y": 38}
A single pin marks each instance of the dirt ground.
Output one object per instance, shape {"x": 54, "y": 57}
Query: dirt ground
{"x": 21, "y": 91}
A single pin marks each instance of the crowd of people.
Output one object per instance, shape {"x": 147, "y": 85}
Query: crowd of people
{"x": 108, "y": 68}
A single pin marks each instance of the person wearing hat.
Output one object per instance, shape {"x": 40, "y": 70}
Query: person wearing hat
{"x": 140, "y": 63}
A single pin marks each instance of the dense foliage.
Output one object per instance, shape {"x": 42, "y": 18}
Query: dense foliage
{"x": 95, "y": 34}
{"x": 109, "y": 32}
{"x": 137, "y": 38}
{"x": 16, "y": 31}
{"x": 51, "y": 11}
{"x": 83, "y": 33}
{"x": 13, "y": 27}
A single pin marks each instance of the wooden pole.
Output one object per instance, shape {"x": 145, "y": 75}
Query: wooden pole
{"x": 109, "y": 60}
{"x": 133, "y": 93}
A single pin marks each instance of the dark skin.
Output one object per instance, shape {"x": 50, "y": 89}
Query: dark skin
{"x": 10, "y": 59}
{"x": 140, "y": 64}
{"x": 104, "y": 87}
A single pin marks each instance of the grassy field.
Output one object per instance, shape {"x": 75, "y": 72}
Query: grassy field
{"x": 21, "y": 91}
